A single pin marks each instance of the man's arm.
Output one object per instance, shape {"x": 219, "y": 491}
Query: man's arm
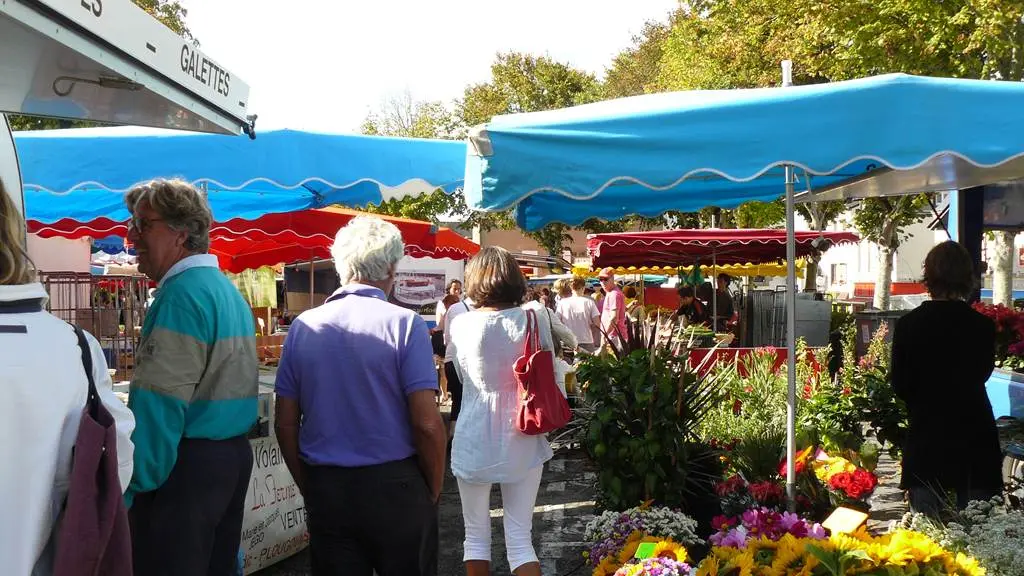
{"x": 419, "y": 382}
{"x": 287, "y": 410}
{"x": 287, "y": 415}
{"x": 430, "y": 438}
{"x": 170, "y": 366}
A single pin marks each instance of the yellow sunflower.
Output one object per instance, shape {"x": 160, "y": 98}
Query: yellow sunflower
{"x": 628, "y": 551}
{"x": 968, "y": 565}
{"x": 709, "y": 567}
{"x": 671, "y": 550}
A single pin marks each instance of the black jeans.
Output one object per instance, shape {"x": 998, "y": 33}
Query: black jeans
{"x": 454, "y": 388}
{"x": 371, "y": 519}
{"x": 193, "y": 523}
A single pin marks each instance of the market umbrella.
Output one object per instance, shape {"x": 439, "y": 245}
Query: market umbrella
{"x": 82, "y": 174}
{"x": 278, "y": 238}
{"x": 689, "y": 150}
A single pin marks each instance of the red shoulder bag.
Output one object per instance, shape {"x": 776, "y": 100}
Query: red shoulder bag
{"x": 542, "y": 408}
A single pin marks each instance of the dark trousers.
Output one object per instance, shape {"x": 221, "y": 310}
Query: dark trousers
{"x": 193, "y": 523}
{"x": 454, "y": 388}
{"x": 932, "y": 502}
{"x": 371, "y": 519}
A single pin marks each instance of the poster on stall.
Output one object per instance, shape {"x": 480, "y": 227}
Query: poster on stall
{"x": 418, "y": 290}
{"x": 274, "y": 526}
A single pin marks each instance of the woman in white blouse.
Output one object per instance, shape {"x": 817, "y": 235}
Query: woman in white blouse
{"x": 488, "y": 448}
{"x": 44, "y": 391}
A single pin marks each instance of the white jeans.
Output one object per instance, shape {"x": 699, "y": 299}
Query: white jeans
{"x": 518, "y": 500}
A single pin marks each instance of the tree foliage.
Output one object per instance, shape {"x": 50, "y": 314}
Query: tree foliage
{"x": 171, "y": 13}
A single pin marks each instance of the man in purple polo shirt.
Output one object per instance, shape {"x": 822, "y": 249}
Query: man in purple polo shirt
{"x": 356, "y": 418}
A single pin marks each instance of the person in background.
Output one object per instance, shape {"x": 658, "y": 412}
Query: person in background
{"x": 356, "y": 418}
{"x": 690, "y": 307}
{"x": 580, "y": 314}
{"x": 634, "y": 310}
{"x": 547, "y": 298}
{"x": 564, "y": 338}
{"x": 943, "y": 353}
{"x": 724, "y": 300}
{"x": 451, "y": 375}
{"x": 561, "y": 289}
{"x": 488, "y": 448}
{"x": 598, "y": 296}
{"x": 448, "y": 301}
{"x": 454, "y": 288}
{"x": 45, "y": 389}
{"x": 613, "y": 314}
{"x": 193, "y": 392}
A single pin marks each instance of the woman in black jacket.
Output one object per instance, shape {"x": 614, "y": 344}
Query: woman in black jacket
{"x": 943, "y": 352}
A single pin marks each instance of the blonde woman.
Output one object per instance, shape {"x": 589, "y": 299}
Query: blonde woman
{"x": 44, "y": 391}
{"x": 488, "y": 449}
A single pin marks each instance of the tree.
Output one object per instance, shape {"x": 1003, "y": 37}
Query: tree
{"x": 402, "y": 116}
{"x": 171, "y": 13}
{"x": 635, "y": 70}
{"x": 882, "y": 220}
{"x": 526, "y": 83}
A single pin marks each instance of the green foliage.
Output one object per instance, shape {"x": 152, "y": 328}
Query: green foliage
{"x": 761, "y": 214}
{"x": 401, "y": 116}
{"x": 634, "y": 71}
{"x": 171, "y": 13}
{"x": 525, "y": 83}
{"x": 881, "y": 220}
{"x": 648, "y": 408}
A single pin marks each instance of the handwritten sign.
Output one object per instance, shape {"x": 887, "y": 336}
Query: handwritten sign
{"x": 274, "y": 526}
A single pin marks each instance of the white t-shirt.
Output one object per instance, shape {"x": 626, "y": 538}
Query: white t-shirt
{"x": 460, "y": 307}
{"x": 488, "y": 448}
{"x": 439, "y": 314}
{"x": 578, "y": 313}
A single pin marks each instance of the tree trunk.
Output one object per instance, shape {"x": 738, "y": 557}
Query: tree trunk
{"x": 811, "y": 275}
{"x": 1002, "y": 269}
{"x": 883, "y": 282}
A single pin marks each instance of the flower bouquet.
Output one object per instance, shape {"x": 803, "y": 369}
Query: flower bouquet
{"x": 758, "y": 523}
{"x": 614, "y": 537}
{"x": 737, "y": 495}
{"x": 848, "y": 484}
{"x": 901, "y": 553}
{"x": 655, "y": 567}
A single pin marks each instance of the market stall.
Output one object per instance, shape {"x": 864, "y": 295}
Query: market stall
{"x": 688, "y": 150}
{"x": 75, "y": 181}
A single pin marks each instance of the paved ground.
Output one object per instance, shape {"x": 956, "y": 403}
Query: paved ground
{"x": 564, "y": 506}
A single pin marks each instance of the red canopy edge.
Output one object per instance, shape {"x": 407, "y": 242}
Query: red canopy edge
{"x": 683, "y": 247}
{"x": 288, "y": 237}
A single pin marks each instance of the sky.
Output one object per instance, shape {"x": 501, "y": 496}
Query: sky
{"x": 325, "y": 64}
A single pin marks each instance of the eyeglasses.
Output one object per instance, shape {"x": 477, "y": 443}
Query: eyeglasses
{"x": 142, "y": 225}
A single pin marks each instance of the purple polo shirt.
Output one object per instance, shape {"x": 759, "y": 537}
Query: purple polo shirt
{"x": 351, "y": 364}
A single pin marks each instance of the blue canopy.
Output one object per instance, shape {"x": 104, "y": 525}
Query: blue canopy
{"x": 689, "y": 150}
{"x": 83, "y": 174}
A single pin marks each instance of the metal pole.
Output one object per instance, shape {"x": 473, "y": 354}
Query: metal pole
{"x": 311, "y": 277}
{"x": 787, "y": 80}
{"x": 714, "y": 284}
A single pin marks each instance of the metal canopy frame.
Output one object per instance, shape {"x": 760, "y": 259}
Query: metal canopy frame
{"x": 111, "y": 62}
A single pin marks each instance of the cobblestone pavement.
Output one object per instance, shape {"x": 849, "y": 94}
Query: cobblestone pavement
{"x": 564, "y": 505}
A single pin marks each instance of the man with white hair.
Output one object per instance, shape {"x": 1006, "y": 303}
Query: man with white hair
{"x": 356, "y": 418}
{"x": 193, "y": 392}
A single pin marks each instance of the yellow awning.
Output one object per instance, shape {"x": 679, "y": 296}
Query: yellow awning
{"x": 707, "y": 271}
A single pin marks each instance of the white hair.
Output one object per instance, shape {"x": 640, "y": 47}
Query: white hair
{"x": 367, "y": 249}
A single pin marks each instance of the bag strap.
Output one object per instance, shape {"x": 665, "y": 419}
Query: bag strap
{"x": 92, "y": 400}
{"x": 531, "y": 333}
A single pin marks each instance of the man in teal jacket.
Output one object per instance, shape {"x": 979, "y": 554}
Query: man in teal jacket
{"x": 194, "y": 393}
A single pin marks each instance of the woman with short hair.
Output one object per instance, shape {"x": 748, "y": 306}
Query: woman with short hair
{"x": 488, "y": 448}
{"x": 943, "y": 353}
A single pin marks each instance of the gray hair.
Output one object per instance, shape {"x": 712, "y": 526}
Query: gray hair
{"x": 367, "y": 249}
{"x": 181, "y": 205}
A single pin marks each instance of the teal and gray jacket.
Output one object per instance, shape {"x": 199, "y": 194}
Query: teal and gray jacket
{"x": 196, "y": 373}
